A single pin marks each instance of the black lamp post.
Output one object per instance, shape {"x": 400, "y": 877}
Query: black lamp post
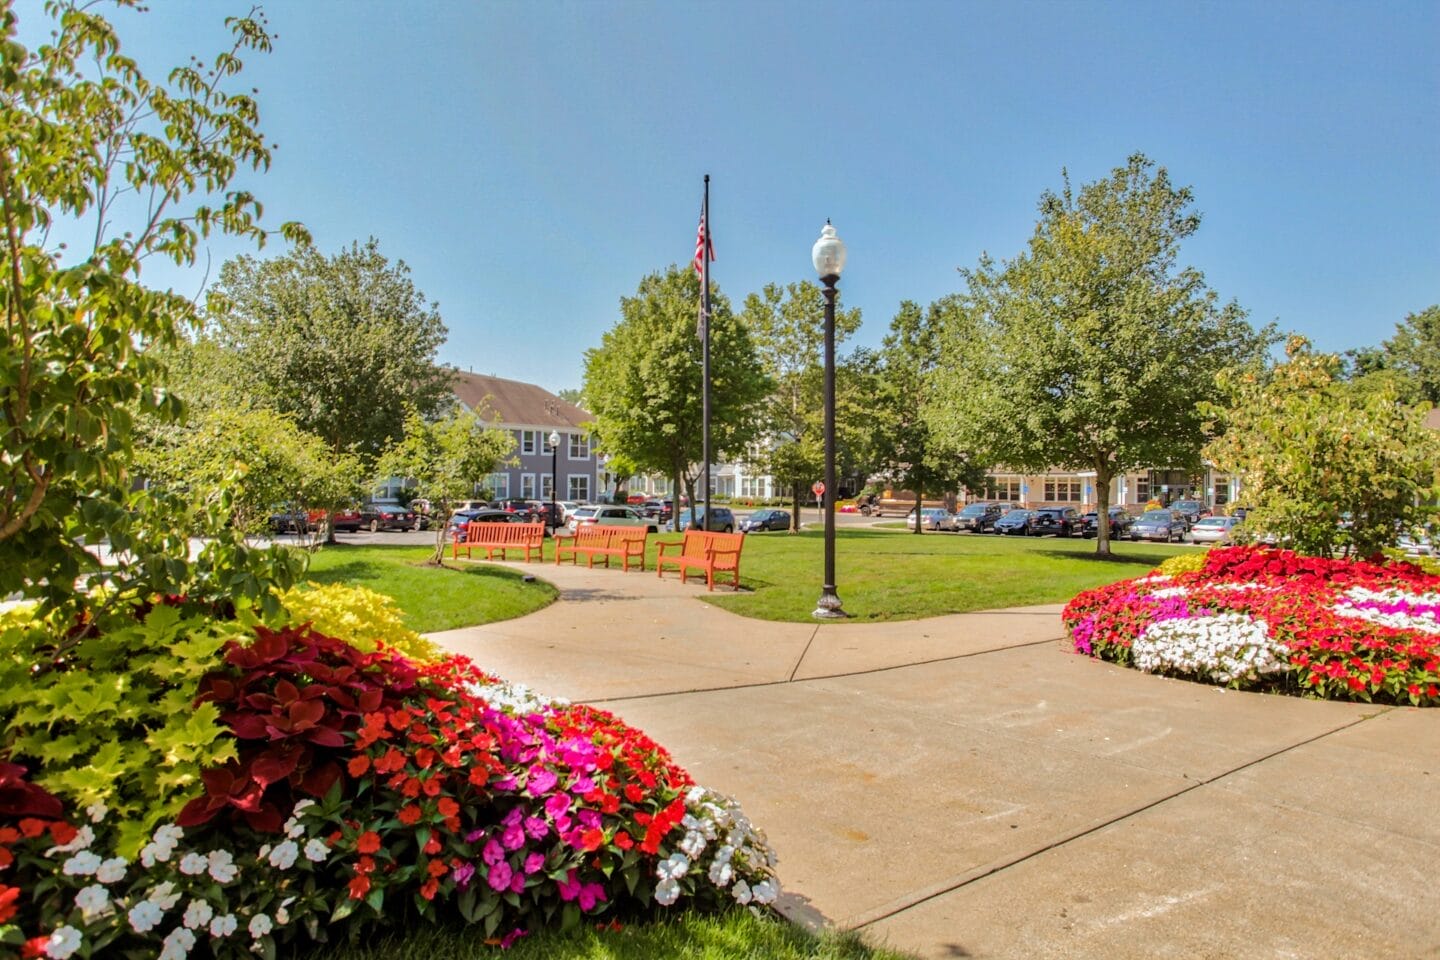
{"x": 554, "y": 473}
{"x": 828, "y": 255}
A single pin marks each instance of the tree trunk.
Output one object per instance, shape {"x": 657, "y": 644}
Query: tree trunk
{"x": 795, "y": 516}
{"x": 918, "y": 500}
{"x": 675, "y": 502}
{"x": 440, "y": 528}
{"x": 1103, "y": 476}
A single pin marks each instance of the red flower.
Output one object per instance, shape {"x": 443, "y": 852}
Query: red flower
{"x": 34, "y": 947}
{"x": 358, "y": 765}
{"x": 8, "y": 896}
{"x": 432, "y": 846}
{"x": 368, "y": 842}
{"x": 592, "y": 839}
{"x": 32, "y": 828}
{"x": 448, "y": 807}
{"x": 437, "y": 868}
{"x": 623, "y": 840}
{"x": 359, "y": 886}
{"x": 429, "y": 888}
{"x": 409, "y": 815}
{"x": 62, "y": 831}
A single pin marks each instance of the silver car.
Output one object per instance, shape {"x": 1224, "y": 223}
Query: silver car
{"x": 1158, "y": 525}
{"x": 934, "y": 518}
{"x": 1213, "y": 529}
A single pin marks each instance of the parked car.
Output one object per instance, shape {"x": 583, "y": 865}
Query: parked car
{"x": 635, "y": 499}
{"x": 657, "y": 509}
{"x": 347, "y": 520}
{"x": 1159, "y": 525}
{"x": 933, "y": 518}
{"x": 765, "y": 520}
{"x": 1021, "y": 522}
{"x": 977, "y": 517}
{"x": 1416, "y": 546}
{"x": 610, "y": 516}
{"x": 289, "y": 521}
{"x": 722, "y": 519}
{"x": 1120, "y": 522}
{"x": 568, "y": 507}
{"x": 1191, "y": 510}
{"x": 387, "y": 516}
{"x": 460, "y": 518}
{"x": 1213, "y": 529}
{"x": 1061, "y": 521}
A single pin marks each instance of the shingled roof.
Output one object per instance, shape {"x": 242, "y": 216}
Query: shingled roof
{"x": 513, "y": 403}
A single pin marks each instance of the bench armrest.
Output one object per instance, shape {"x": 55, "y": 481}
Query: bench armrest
{"x": 663, "y": 544}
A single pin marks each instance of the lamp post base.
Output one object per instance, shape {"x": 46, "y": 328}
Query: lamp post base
{"x": 828, "y": 607}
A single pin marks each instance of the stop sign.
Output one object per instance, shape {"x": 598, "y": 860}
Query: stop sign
{"x": 818, "y": 488}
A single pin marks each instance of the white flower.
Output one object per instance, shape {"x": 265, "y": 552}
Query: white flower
{"x": 673, "y": 867}
{"x": 293, "y": 829}
{"x": 197, "y": 914}
{"x": 1166, "y": 593}
{"x": 723, "y": 854}
{"x": 283, "y": 857}
{"x": 93, "y": 900}
{"x": 194, "y": 863}
{"x": 160, "y": 849}
{"x": 693, "y": 844}
{"x": 694, "y": 796}
{"x": 165, "y": 895}
{"x": 96, "y": 812}
{"x": 169, "y": 834}
{"x": 667, "y": 891}
{"x": 765, "y": 891}
{"x": 282, "y": 912}
{"x": 112, "y": 870}
{"x": 302, "y": 805}
{"x": 82, "y": 839}
{"x": 1224, "y": 647}
{"x": 721, "y": 873}
{"x": 63, "y": 942}
{"x": 222, "y": 866}
{"x": 223, "y": 925}
{"x": 741, "y": 892}
{"x": 315, "y": 850}
{"x": 144, "y": 916}
{"x": 177, "y": 944}
{"x": 83, "y": 864}
{"x": 260, "y": 925}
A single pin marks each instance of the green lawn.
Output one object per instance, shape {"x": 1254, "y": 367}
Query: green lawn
{"x": 882, "y": 575}
{"x": 738, "y": 935}
{"x": 433, "y": 598}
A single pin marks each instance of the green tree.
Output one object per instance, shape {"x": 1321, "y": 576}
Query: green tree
{"x": 1093, "y": 349}
{"x": 344, "y": 344}
{"x": 1328, "y": 466}
{"x": 643, "y": 381}
{"x": 570, "y": 395}
{"x": 908, "y": 452}
{"x": 788, "y": 327}
{"x": 446, "y": 458}
{"x": 1411, "y": 357}
{"x": 85, "y": 136}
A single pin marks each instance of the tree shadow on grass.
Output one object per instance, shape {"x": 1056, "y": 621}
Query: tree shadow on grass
{"x": 1146, "y": 560}
{"x": 349, "y": 571}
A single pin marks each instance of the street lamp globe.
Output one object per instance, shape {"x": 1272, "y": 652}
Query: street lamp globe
{"x": 828, "y": 254}
{"x": 555, "y": 434}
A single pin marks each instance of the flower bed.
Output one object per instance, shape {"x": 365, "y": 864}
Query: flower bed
{"x": 1266, "y": 619}
{"x": 366, "y": 788}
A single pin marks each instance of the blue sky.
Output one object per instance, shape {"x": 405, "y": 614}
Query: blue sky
{"x": 532, "y": 161}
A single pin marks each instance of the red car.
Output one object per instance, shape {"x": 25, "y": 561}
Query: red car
{"x": 348, "y": 520}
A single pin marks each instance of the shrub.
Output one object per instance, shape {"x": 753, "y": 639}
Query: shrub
{"x": 1275, "y": 620}
{"x": 368, "y": 620}
{"x": 1182, "y": 563}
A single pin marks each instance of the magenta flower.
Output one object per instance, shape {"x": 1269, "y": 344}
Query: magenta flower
{"x": 536, "y": 828}
{"x": 590, "y": 894}
{"x": 463, "y": 874}
{"x": 533, "y": 863}
{"x": 556, "y": 805}
{"x": 569, "y": 887}
{"x": 500, "y": 877}
{"x": 542, "y": 781}
{"x": 513, "y": 838}
{"x": 493, "y": 852}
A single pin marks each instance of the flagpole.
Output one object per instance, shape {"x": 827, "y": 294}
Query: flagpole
{"x": 705, "y": 360}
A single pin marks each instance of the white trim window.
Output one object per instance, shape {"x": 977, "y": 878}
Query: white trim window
{"x": 527, "y": 442}
{"x": 545, "y": 441}
{"x": 527, "y": 486}
{"x": 547, "y": 483}
{"x": 579, "y": 487}
{"x": 579, "y": 447}
{"x": 499, "y": 484}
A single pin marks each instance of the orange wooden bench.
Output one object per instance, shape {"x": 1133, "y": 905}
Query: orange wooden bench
{"x": 703, "y": 550}
{"x": 491, "y": 537}
{"x": 598, "y": 541}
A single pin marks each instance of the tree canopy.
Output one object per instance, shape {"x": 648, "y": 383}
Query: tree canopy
{"x": 644, "y": 380}
{"x": 1092, "y": 349}
{"x": 88, "y": 138}
{"x": 1329, "y": 466}
{"x": 344, "y": 344}
{"x": 1411, "y": 357}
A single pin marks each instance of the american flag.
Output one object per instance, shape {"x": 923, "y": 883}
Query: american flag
{"x": 702, "y": 241}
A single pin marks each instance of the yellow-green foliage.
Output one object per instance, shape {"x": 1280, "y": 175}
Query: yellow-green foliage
{"x": 359, "y": 616}
{"x": 107, "y": 714}
{"x": 1183, "y": 563}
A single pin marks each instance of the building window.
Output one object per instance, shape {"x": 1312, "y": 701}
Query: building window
{"x": 1063, "y": 489}
{"x": 545, "y": 441}
{"x": 579, "y": 447}
{"x": 579, "y": 487}
{"x": 1002, "y": 488}
{"x": 499, "y": 485}
{"x": 1142, "y": 489}
{"x": 527, "y": 441}
{"x": 547, "y": 483}
{"x": 527, "y": 486}
{"x": 1221, "y": 487}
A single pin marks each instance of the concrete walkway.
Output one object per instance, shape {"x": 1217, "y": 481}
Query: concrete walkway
{"x": 965, "y": 786}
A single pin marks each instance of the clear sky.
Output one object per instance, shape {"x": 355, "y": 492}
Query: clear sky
{"x": 531, "y": 161}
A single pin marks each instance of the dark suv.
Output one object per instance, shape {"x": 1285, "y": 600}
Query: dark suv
{"x": 387, "y": 516}
{"x": 978, "y": 517}
{"x": 1191, "y": 510}
{"x": 721, "y": 519}
{"x": 1119, "y": 523}
{"x": 1061, "y": 521}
